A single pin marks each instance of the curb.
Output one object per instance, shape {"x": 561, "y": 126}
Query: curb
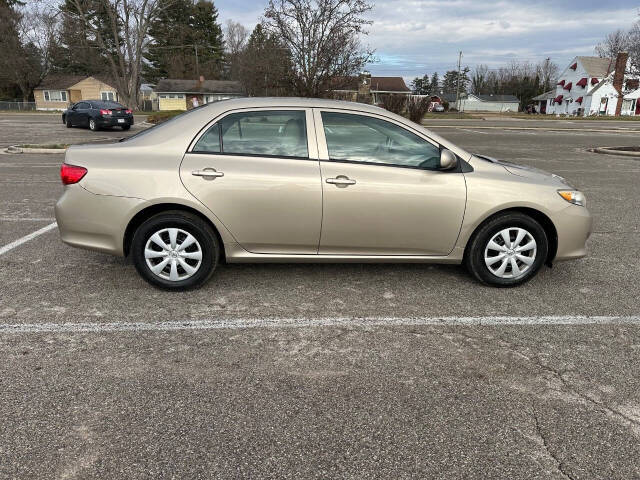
{"x": 15, "y": 149}
{"x": 615, "y": 151}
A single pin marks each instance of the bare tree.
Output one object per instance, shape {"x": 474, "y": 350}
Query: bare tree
{"x": 323, "y": 38}
{"x": 634, "y": 48}
{"x": 613, "y": 44}
{"x": 235, "y": 37}
{"x": 27, "y": 40}
{"x": 547, "y": 73}
{"x": 123, "y": 40}
{"x": 479, "y": 79}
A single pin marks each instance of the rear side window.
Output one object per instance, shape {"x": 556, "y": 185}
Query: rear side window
{"x": 265, "y": 133}
{"x": 210, "y": 141}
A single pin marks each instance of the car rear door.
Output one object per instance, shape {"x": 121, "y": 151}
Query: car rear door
{"x": 383, "y": 194}
{"x": 257, "y": 170}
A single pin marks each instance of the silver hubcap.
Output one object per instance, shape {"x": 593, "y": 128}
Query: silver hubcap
{"x": 173, "y": 254}
{"x": 510, "y": 253}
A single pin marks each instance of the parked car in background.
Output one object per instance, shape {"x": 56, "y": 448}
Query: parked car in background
{"x": 309, "y": 180}
{"x": 97, "y": 114}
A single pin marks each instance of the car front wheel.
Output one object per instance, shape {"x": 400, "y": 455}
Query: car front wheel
{"x": 175, "y": 251}
{"x": 508, "y": 250}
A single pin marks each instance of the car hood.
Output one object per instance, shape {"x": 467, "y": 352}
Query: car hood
{"x": 527, "y": 172}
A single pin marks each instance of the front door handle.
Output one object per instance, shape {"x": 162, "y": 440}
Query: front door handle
{"x": 207, "y": 173}
{"x": 341, "y": 181}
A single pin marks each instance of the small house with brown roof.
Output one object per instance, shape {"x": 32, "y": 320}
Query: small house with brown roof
{"x": 352, "y": 88}
{"x": 57, "y": 92}
{"x": 184, "y": 94}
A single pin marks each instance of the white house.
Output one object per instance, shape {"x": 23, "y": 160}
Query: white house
{"x": 489, "y": 103}
{"x": 592, "y": 86}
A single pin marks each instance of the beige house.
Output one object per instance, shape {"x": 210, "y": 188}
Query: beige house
{"x": 185, "y": 94}
{"x": 57, "y": 92}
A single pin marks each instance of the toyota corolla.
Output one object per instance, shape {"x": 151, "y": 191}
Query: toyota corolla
{"x": 308, "y": 180}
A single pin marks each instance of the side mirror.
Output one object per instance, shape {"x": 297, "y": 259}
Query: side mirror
{"x": 448, "y": 160}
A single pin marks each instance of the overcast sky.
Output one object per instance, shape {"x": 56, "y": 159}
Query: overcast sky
{"x": 413, "y": 37}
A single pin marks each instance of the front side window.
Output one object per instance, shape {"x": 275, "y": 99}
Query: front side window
{"x": 267, "y": 133}
{"x": 363, "y": 139}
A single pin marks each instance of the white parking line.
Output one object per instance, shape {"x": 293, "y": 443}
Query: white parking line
{"x": 26, "y": 238}
{"x": 239, "y": 323}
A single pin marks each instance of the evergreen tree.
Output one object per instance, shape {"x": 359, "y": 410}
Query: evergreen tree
{"x": 450, "y": 81}
{"x": 434, "y": 85}
{"x": 187, "y": 41}
{"x": 78, "y": 52}
{"x": 266, "y": 67}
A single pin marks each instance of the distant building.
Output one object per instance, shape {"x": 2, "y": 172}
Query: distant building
{"x": 186, "y": 94}
{"x": 57, "y": 92}
{"x": 594, "y": 86}
{"x": 488, "y": 103}
{"x": 470, "y": 102}
{"x": 355, "y": 88}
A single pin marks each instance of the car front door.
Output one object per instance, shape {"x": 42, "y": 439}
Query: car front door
{"x": 383, "y": 192}
{"x": 82, "y": 114}
{"x": 258, "y": 172}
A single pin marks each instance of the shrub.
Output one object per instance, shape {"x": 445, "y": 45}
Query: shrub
{"x": 394, "y": 103}
{"x": 417, "y": 108}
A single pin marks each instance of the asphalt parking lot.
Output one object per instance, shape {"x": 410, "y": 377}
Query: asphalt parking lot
{"x": 324, "y": 371}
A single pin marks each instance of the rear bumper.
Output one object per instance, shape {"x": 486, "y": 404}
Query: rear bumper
{"x": 574, "y": 225}
{"x": 114, "y": 121}
{"x": 94, "y": 222}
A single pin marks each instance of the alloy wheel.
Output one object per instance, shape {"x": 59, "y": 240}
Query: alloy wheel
{"x": 510, "y": 253}
{"x": 173, "y": 254}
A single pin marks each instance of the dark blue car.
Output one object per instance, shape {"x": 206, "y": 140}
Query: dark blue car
{"x": 97, "y": 114}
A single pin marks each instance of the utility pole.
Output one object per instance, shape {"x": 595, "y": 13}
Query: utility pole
{"x": 197, "y": 66}
{"x": 458, "y": 86}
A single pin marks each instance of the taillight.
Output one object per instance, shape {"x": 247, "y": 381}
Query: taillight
{"x": 71, "y": 174}
{"x": 105, "y": 112}
{"x": 127, "y": 111}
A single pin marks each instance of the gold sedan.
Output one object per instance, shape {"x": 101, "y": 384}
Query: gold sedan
{"x": 308, "y": 180}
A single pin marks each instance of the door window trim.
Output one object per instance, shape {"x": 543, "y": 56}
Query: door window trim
{"x": 312, "y": 148}
{"x": 323, "y": 149}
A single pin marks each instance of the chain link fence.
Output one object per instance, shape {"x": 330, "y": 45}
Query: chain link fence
{"x": 17, "y": 106}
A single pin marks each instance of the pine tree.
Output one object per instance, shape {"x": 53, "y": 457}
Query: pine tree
{"x": 78, "y": 52}
{"x": 187, "y": 41}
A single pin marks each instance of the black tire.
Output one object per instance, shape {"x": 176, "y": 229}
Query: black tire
{"x": 93, "y": 126}
{"x": 190, "y": 224}
{"x": 474, "y": 256}
{"x": 68, "y": 123}
{"x": 126, "y": 127}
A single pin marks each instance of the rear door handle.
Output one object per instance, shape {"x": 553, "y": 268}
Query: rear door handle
{"x": 207, "y": 173}
{"x": 341, "y": 181}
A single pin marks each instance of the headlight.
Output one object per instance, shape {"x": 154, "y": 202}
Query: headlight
{"x": 573, "y": 196}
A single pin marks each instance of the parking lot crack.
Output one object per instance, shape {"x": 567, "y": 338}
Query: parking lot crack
{"x": 560, "y": 466}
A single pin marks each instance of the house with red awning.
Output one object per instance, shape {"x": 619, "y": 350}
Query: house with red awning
{"x": 593, "y": 86}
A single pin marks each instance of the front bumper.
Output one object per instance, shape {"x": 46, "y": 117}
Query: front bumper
{"x": 574, "y": 225}
{"x": 94, "y": 222}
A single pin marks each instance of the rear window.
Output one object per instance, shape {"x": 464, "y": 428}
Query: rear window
{"x": 107, "y": 105}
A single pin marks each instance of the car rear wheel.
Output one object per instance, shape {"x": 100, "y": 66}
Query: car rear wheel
{"x": 175, "y": 251}
{"x": 93, "y": 126}
{"x": 508, "y": 250}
